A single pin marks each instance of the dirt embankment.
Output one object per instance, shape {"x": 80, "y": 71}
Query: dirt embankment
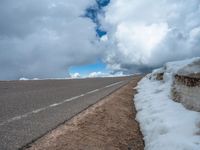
{"x": 110, "y": 124}
{"x": 185, "y": 89}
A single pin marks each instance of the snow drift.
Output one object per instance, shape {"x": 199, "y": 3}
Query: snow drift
{"x": 165, "y": 123}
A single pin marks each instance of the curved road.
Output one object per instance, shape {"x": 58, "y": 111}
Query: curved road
{"x": 29, "y": 109}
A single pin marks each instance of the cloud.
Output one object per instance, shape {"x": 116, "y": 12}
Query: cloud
{"x": 103, "y": 74}
{"x": 145, "y": 34}
{"x": 43, "y": 38}
{"x": 97, "y": 74}
{"x": 75, "y": 75}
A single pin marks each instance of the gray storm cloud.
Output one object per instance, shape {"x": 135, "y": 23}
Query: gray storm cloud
{"x": 147, "y": 33}
{"x": 43, "y": 38}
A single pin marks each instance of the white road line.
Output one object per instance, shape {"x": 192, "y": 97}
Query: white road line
{"x": 113, "y": 84}
{"x": 92, "y": 91}
{"x": 54, "y": 105}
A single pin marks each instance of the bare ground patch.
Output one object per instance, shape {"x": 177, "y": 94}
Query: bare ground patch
{"x": 109, "y": 124}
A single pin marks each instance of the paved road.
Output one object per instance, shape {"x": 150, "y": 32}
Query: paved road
{"x": 29, "y": 109}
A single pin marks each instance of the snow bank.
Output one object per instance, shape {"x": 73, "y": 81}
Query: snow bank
{"x": 166, "y": 124}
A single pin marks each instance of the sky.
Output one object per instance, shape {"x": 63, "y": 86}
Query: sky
{"x": 58, "y": 39}
{"x": 85, "y": 70}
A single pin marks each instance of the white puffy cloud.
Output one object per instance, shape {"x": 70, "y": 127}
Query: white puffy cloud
{"x": 43, "y": 38}
{"x": 97, "y": 74}
{"x": 145, "y": 34}
{"x": 23, "y": 79}
{"x": 103, "y": 74}
{"x": 75, "y": 75}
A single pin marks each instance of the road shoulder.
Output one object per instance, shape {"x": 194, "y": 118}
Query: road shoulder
{"x": 109, "y": 124}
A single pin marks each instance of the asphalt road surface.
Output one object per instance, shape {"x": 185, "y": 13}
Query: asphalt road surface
{"x": 29, "y": 109}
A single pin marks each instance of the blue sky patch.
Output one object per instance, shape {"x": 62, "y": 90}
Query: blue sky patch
{"x": 86, "y": 69}
{"x": 93, "y": 11}
{"x": 100, "y": 32}
{"x": 102, "y": 3}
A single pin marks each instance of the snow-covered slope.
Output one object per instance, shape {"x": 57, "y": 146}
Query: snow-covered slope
{"x": 166, "y": 124}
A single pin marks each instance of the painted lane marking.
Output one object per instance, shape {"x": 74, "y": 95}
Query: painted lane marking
{"x": 55, "y": 104}
{"x": 92, "y": 91}
{"x": 113, "y": 84}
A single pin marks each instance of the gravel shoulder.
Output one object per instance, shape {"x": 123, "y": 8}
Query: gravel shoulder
{"x": 109, "y": 124}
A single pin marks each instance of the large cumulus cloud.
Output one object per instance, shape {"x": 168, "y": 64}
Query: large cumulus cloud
{"x": 146, "y": 33}
{"x": 43, "y": 38}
